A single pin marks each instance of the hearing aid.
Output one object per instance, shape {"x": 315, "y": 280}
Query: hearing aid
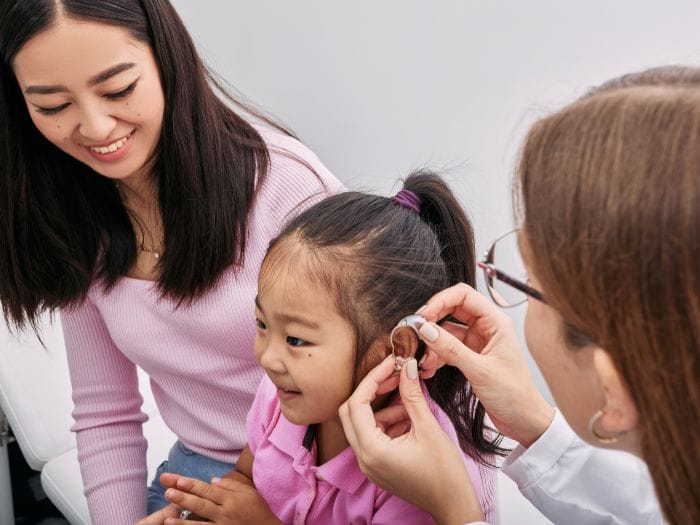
{"x": 412, "y": 323}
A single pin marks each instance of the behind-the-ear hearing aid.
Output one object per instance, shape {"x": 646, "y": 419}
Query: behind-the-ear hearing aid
{"x": 411, "y": 323}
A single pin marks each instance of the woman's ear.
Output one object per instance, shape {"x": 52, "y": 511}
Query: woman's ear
{"x": 405, "y": 342}
{"x": 619, "y": 415}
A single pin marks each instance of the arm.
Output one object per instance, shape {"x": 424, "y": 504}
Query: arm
{"x": 108, "y": 419}
{"x": 571, "y": 481}
{"x": 243, "y": 473}
{"x": 422, "y": 466}
{"x": 232, "y": 499}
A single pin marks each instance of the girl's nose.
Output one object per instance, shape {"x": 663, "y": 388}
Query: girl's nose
{"x": 270, "y": 358}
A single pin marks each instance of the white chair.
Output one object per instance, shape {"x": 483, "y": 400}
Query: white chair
{"x": 35, "y": 397}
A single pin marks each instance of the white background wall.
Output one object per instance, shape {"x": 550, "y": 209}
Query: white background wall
{"x": 377, "y": 88}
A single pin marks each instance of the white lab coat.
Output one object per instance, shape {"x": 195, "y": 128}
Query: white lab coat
{"x": 570, "y": 481}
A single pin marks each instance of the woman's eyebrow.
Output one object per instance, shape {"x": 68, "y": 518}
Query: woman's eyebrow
{"x": 97, "y": 79}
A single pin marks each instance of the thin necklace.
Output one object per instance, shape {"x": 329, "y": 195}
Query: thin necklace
{"x": 156, "y": 253}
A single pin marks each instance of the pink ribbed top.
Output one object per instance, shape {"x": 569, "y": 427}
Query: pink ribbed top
{"x": 199, "y": 358}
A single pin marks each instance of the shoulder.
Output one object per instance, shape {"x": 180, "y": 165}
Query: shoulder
{"x": 295, "y": 172}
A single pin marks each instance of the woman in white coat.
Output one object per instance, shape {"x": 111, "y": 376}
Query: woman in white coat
{"x": 608, "y": 193}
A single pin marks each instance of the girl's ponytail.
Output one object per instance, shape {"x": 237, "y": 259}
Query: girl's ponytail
{"x": 443, "y": 212}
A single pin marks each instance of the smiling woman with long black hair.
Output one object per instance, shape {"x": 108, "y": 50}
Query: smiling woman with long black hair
{"x": 138, "y": 203}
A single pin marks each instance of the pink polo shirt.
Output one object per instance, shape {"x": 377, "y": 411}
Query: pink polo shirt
{"x": 299, "y": 491}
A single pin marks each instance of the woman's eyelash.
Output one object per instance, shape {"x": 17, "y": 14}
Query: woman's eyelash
{"x": 259, "y": 324}
{"x": 123, "y": 93}
{"x": 53, "y": 110}
{"x": 128, "y": 90}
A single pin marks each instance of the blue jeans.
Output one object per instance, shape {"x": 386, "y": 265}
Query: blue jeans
{"x": 181, "y": 460}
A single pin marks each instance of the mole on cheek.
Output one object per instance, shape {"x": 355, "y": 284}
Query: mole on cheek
{"x": 309, "y": 355}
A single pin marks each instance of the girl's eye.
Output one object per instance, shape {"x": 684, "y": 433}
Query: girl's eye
{"x": 295, "y": 341}
{"x": 53, "y": 110}
{"x": 128, "y": 90}
{"x": 260, "y": 324}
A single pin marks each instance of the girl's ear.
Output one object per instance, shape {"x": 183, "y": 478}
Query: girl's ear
{"x": 405, "y": 342}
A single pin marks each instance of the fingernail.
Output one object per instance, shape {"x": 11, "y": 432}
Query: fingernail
{"x": 429, "y": 332}
{"x": 215, "y": 481}
{"x": 422, "y": 360}
{"x": 421, "y": 309}
{"x": 170, "y": 493}
{"x": 412, "y": 369}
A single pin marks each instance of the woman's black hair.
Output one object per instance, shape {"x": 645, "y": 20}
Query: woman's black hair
{"x": 382, "y": 261}
{"x": 62, "y": 224}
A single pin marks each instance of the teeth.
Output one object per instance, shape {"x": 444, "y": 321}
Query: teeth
{"x": 112, "y": 147}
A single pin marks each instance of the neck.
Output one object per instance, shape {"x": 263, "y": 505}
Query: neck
{"x": 330, "y": 437}
{"x": 330, "y": 440}
{"x": 138, "y": 194}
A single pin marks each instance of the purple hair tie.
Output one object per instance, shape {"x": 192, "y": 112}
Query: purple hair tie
{"x": 408, "y": 199}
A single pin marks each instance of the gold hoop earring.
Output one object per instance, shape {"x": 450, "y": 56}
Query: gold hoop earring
{"x": 601, "y": 439}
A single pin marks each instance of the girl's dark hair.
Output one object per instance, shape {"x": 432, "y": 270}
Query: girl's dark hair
{"x": 62, "y": 224}
{"x": 383, "y": 261}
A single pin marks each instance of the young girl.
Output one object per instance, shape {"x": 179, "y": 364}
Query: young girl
{"x": 331, "y": 288}
{"x": 138, "y": 203}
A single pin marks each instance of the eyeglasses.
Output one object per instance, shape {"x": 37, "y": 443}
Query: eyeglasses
{"x": 507, "y": 282}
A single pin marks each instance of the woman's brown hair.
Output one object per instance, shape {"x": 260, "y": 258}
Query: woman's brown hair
{"x": 609, "y": 192}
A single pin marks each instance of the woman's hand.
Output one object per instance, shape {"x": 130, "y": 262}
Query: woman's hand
{"x": 422, "y": 466}
{"x": 488, "y": 354}
{"x": 224, "y": 501}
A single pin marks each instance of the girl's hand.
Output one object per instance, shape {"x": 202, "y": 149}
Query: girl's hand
{"x": 224, "y": 501}
{"x": 422, "y": 466}
{"x": 488, "y": 354}
{"x": 159, "y": 517}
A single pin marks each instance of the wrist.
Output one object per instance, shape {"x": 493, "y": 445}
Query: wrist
{"x": 459, "y": 509}
{"x": 459, "y": 517}
{"x": 538, "y": 421}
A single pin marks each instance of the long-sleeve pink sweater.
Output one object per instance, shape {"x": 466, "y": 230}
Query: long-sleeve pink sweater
{"x": 199, "y": 358}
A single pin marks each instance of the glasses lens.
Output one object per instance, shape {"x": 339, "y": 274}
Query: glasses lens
{"x": 505, "y": 257}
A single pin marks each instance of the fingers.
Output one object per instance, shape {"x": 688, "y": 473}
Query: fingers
{"x": 460, "y": 331}
{"x": 356, "y": 413}
{"x": 158, "y": 517}
{"x": 450, "y": 349}
{"x": 399, "y": 429}
{"x": 196, "y": 504}
{"x": 393, "y": 420}
{"x": 197, "y": 488}
{"x": 413, "y": 398}
{"x": 462, "y": 302}
{"x": 168, "y": 479}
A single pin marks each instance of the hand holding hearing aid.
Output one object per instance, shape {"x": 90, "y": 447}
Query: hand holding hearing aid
{"x": 489, "y": 355}
{"x": 424, "y": 448}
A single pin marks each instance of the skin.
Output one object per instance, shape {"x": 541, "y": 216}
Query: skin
{"x": 79, "y": 112}
{"x": 307, "y": 349}
{"x": 488, "y": 354}
{"x": 83, "y": 113}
